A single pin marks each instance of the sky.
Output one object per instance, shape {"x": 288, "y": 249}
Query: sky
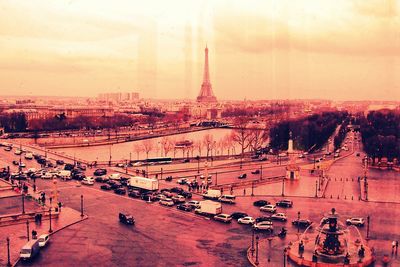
{"x": 258, "y": 49}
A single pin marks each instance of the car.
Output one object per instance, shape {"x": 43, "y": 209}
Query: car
{"x": 355, "y": 221}
{"x": 161, "y": 196}
{"x": 101, "y": 179}
{"x": 302, "y": 223}
{"x": 263, "y": 226}
{"x": 285, "y": 203}
{"x": 203, "y": 176}
{"x": 246, "y": 220}
{"x": 226, "y": 218}
{"x": 43, "y": 240}
{"x": 185, "y": 160}
{"x": 120, "y": 191}
{"x": 166, "y": 202}
{"x": 82, "y": 167}
{"x": 167, "y": 193}
{"x": 136, "y": 164}
{"x": 230, "y": 199}
{"x": 105, "y": 187}
{"x": 262, "y": 219}
{"x": 59, "y": 162}
{"x": 69, "y": 167}
{"x": 194, "y": 203}
{"x": 186, "y": 194}
{"x": 116, "y": 185}
{"x": 149, "y": 196}
{"x": 168, "y": 178}
{"x": 182, "y": 181}
{"x": 8, "y": 148}
{"x": 256, "y": 172}
{"x": 78, "y": 176}
{"x": 88, "y": 180}
{"x": 268, "y": 208}
{"x": 18, "y": 152}
{"x": 47, "y": 175}
{"x": 134, "y": 193}
{"x": 185, "y": 207}
{"x": 178, "y": 199}
{"x": 242, "y": 176}
{"x": 279, "y": 217}
{"x": 260, "y": 203}
{"x": 15, "y": 162}
{"x": 126, "y": 218}
{"x": 114, "y": 176}
{"x": 100, "y": 172}
{"x": 121, "y": 165}
{"x": 237, "y": 215}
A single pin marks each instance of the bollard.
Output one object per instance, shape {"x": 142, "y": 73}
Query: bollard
{"x": 331, "y": 196}
{"x": 352, "y": 198}
{"x": 337, "y": 196}
{"x": 345, "y": 197}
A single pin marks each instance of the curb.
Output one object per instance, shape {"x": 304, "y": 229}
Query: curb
{"x": 249, "y": 258}
{"x": 85, "y": 217}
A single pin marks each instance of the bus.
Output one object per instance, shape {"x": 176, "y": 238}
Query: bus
{"x": 153, "y": 161}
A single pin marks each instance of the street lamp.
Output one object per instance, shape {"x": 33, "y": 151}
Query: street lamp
{"x": 257, "y": 250}
{"x": 50, "y": 229}
{"x": 284, "y": 257}
{"x": 316, "y": 188}
{"x": 252, "y": 242}
{"x": 8, "y": 252}
{"x": 23, "y": 203}
{"x": 368, "y": 221}
{"x": 283, "y": 186}
{"x": 298, "y": 221}
{"x": 81, "y": 205}
{"x": 198, "y": 163}
{"x": 27, "y": 229}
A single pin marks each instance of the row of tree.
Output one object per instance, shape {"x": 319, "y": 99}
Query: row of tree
{"x": 380, "y": 131}
{"x": 339, "y": 138}
{"x": 14, "y": 122}
{"x": 308, "y": 133}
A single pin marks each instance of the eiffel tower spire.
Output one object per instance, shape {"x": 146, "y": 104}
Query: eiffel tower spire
{"x": 206, "y": 93}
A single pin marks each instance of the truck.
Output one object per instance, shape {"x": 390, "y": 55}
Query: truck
{"x": 148, "y": 184}
{"x": 209, "y": 208}
{"x": 212, "y": 194}
{"x": 30, "y": 249}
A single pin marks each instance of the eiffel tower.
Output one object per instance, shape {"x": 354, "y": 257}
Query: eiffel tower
{"x": 206, "y": 94}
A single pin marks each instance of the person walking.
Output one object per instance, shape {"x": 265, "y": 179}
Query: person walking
{"x": 397, "y": 245}
{"x": 393, "y": 246}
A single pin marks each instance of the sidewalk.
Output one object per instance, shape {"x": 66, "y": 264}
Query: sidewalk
{"x": 18, "y": 232}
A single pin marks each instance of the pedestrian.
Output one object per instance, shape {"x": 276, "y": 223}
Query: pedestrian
{"x": 244, "y": 191}
{"x": 231, "y": 190}
{"x": 59, "y": 206}
{"x": 397, "y": 246}
{"x": 34, "y": 187}
{"x": 393, "y": 246}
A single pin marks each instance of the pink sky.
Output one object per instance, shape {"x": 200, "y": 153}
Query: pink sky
{"x": 259, "y": 49}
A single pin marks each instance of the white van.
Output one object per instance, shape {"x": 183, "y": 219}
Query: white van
{"x": 227, "y": 199}
{"x": 115, "y": 176}
{"x": 29, "y": 155}
{"x": 30, "y": 250}
{"x": 65, "y": 175}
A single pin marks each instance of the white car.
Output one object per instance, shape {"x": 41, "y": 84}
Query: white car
{"x": 166, "y": 202}
{"x": 264, "y": 225}
{"x": 246, "y": 220}
{"x": 182, "y": 181}
{"x": 22, "y": 165}
{"x": 279, "y": 216}
{"x": 355, "y": 221}
{"x": 43, "y": 240}
{"x": 268, "y": 208}
{"x": 203, "y": 176}
{"x": 136, "y": 164}
{"x": 115, "y": 176}
{"x": 194, "y": 203}
{"x": 17, "y": 152}
{"x": 89, "y": 180}
{"x": 47, "y": 175}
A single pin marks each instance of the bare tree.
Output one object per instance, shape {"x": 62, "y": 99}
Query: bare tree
{"x": 241, "y": 135}
{"x": 208, "y": 141}
{"x": 167, "y": 145}
{"x": 148, "y": 146}
{"x": 198, "y": 145}
{"x": 257, "y": 139}
{"x": 137, "y": 147}
{"x": 228, "y": 142}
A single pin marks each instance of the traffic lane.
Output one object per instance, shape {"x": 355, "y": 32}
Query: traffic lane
{"x": 186, "y": 235}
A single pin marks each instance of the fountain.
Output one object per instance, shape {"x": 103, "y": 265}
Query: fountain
{"x": 331, "y": 244}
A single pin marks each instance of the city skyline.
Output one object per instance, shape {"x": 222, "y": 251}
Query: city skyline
{"x": 342, "y": 50}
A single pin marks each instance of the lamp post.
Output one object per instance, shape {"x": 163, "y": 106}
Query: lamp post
{"x": 81, "y": 205}
{"x": 27, "y": 229}
{"x": 261, "y": 172}
{"x": 284, "y": 257}
{"x": 269, "y": 246}
{"x": 368, "y": 222}
{"x": 216, "y": 178}
{"x": 316, "y": 188}
{"x": 252, "y": 242}
{"x": 283, "y": 186}
{"x": 23, "y": 203}
{"x": 298, "y": 221}
{"x": 8, "y": 252}
{"x": 252, "y": 188}
{"x": 50, "y": 229}
{"x": 257, "y": 250}
{"x": 198, "y": 163}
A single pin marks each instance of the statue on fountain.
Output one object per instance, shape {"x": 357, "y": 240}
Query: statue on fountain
{"x": 331, "y": 245}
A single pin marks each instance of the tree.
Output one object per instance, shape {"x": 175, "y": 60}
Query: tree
{"x": 208, "y": 141}
{"x": 241, "y": 134}
{"x": 257, "y": 139}
{"x": 137, "y": 147}
{"x": 198, "y": 144}
{"x": 167, "y": 145}
{"x": 148, "y": 145}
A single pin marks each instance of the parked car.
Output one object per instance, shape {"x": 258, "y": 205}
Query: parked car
{"x": 88, "y": 180}
{"x": 268, "y": 208}
{"x": 260, "y": 203}
{"x": 101, "y": 179}
{"x": 194, "y": 203}
{"x": 161, "y": 196}
{"x": 105, "y": 187}
{"x": 302, "y": 223}
{"x": 47, "y": 175}
{"x": 100, "y": 172}
{"x": 69, "y": 167}
{"x": 264, "y": 226}
{"x": 185, "y": 207}
{"x": 262, "y": 219}
{"x": 182, "y": 181}
{"x": 15, "y": 162}
{"x": 60, "y": 162}
{"x": 246, "y": 220}
{"x": 178, "y": 199}
{"x": 355, "y": 221}
{"x": 126, "y": 218}
{"x": 230, "y": 199}
{"x": 149, "y": 196}
{"x": 78, "y": 176}
{"x": 286, "y": 203}
{"x": 242, "y": 176}
{"x": 43, "y": 240}
{"x": 203, "y": 176}
{"x": 134, "y": 193}
{"x": 120, "y": 191}
{"x": 256, "y": 172}
{"x": 279, "y": 217}
{"x": 186, "y": 194}
{"x": 226, "y": 218}
{"x": 167, "y": 202}
{"x": 238, "y": 215}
